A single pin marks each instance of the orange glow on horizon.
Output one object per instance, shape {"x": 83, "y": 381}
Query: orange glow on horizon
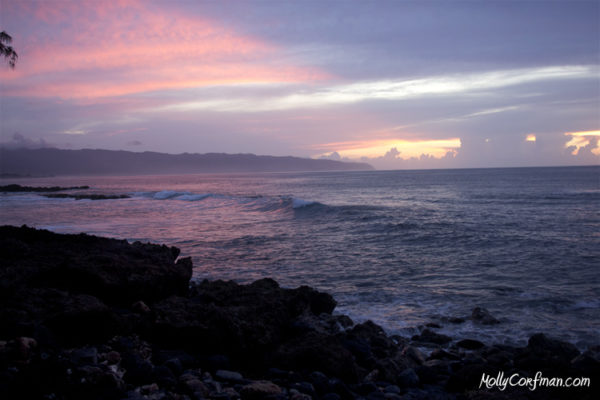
{"x": 582, "y": 139}
{"x": 530, "y": 138}
{"x": 437, "y": 148}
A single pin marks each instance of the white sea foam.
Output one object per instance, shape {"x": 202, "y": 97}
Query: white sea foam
{"x": 298, "y": 203}
{"x": 168, "y": 194}
{"x": 193, "y": 197}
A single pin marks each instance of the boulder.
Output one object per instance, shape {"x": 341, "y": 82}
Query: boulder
{"x": 429, "y": 336}
{"x": 483, "y": 316}
{"x": 544, "y": 346}
{"x": 58, "y": 316}
{"x": 308, "y": 351}
{"x": 408, "y": 378}
{"x": 470, "y": 344}
{"x": 373, "y": 335}
{"x": 546, "y": 354}
{"x": 230, "y": 376}
{"x": 260, "y": 390}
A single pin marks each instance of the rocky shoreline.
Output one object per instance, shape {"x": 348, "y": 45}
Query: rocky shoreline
{"x": 14, "y": 188}
{"x": 50, "y": 192}
{"x": 83, "y": 317}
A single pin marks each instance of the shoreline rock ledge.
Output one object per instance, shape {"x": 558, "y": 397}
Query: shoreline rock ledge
{"x": 84, "y": 317}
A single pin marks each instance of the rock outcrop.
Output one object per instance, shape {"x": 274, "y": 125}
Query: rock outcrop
{"x": 96, "y": 318}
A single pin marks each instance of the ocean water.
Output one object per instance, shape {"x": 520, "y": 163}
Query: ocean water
{"x": 402, "y": 248}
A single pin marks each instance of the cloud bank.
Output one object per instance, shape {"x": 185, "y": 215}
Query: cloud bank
{"x": 400, "y": 84}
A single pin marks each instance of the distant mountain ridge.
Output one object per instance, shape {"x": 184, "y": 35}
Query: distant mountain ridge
{"x": 50, "y": 161}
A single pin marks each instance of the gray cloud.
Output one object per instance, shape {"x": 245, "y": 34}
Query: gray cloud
{"x": 362, "y": 40}
{"x": 331, "y": 156}
{"x": 18, "y": 141}
{"x": 393, "y": 70}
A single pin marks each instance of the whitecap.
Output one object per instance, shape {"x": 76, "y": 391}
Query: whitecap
{"x": 193, "y": 197}
{"x": 298, "y": 203}
{"x": 168, "y": 194}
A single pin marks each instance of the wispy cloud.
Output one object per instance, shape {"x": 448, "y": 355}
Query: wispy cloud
{"x": 104, "y": 49}
{"x": 400, "y": 89}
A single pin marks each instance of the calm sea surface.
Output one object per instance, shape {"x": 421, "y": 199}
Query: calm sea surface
{"x": 402, "y": 248}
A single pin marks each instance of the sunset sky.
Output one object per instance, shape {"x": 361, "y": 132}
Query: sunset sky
{"x": 399, "y": 84}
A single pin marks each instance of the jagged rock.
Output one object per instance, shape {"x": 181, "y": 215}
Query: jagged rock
{"x": 359, "y": 347}
{"x": 389, "y": 369}
{"x": 137, "y": 369}
{"x": 470, "y": 344}
{"x": 429, "y": 336}
{"x": 227, "y": 318}
{"x": 296, "y": 395}
{"x": 94, "y": 196}
{"x": 195, "y": 385}
{"x": 111, "y": 270}
{"x": 96, "y": 382}
{"x": 408, "y": 378}
{"x": 254, "y": 329}
{"x": 413, "y": 355}
{"x": 500, "y": 359}
{"x": 545, "y": 354}
{"x": 392, "y": 389}
{"x": 544, "y": 346}
{"x": 267, "y": 292}
{"x": 319, "y": 381}
{"x": 149, "y": 389}
{"x": 311, "y": 350}
{"x": 19, "y": 351}
{"x": 433, "y": 371}
{"x": 230, "y": 376}
{"x": 163, "y": 376}
{"x": 323, "y": 323}
{"x": 19, "y": 188}
{"x": 140, "y": 307}
{"x": 440, "y": 354}
{"x": 85, "y": 356}
{"x": 67, "y": 318}
{"x": 112, "y": 357}
{"x": 376, "y": 396}
{"x": 305, "y": 387}
{"x": 366, "y": 387}
{"x": 195, "y": 326}
{"x": 260, "y": 390}
{"x": 588, "y": 361}
{"x": 468, "y": 376}
{"x": 483, "y": 316}
{"x": 379, "y": 343}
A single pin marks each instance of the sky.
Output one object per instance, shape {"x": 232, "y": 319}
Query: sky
{"x": 398, "y": 84}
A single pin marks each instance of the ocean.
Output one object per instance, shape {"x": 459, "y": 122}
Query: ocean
{"x": 402, "y": 248}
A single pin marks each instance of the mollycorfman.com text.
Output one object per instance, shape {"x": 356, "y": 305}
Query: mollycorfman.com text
{"x": 501, "y": 381}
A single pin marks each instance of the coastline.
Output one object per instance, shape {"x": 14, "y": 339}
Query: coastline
{"x": 90, "y": 317}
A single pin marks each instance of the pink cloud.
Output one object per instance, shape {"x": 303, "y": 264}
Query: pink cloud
{"x": 99, "y": 49}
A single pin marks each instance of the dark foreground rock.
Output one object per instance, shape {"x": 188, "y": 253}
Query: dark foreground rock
{"x": 83, "y": 317}
{"x": 19, "y": 188}
{"x": 92, "y": 196}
